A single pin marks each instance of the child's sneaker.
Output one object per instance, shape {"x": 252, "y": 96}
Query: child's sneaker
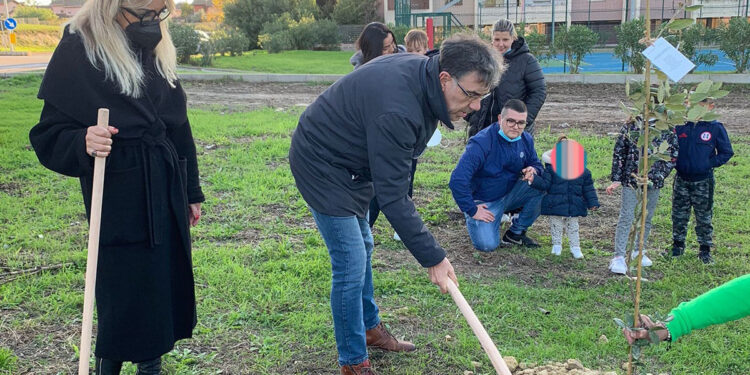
{"x": 396, "y": 237}
{"x": 645, "y": 261}
{"x": 705, "y": 255}
{"x": 505, "y": 219}
{"x": 556, "y": 249}
{"x": 576, "y": 251}
{"x": 617, "y": 265}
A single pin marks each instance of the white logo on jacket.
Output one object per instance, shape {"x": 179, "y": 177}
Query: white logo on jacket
{"x": 521, "y": 155}
{"x": 706, "y": 136}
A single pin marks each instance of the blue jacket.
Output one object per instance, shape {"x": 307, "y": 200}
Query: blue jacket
{"x": 490, "y": 167}
{"x": 703, "y": 147}
{"x": 568, "y": 198}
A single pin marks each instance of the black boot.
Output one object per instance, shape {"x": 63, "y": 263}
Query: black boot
{"x": 705, "y": 254}
{"x": 152, "y": 367}
{"x": 678, "y": 248}
{"x": 107, "y": 367}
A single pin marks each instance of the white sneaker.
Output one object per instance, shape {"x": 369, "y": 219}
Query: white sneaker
{"x": 557, "y": 249}
{"x": 617, "y": 265}
{"x": 576, "y": 251}
{"x": 505, "y": 219}
{"x": 645, "y": 261}
{"x": 396, "y": 237}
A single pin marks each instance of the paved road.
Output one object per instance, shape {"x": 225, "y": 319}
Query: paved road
{"x": 15, "y": 64}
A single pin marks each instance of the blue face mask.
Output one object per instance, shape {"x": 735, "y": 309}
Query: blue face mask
{"x": 507, "y": 52}
{"x": 500, "y": 131}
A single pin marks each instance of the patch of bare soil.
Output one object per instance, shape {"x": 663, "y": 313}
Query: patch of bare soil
{"x": 591, "y": 109}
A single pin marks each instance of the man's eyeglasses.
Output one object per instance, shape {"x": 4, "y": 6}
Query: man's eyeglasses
{"x": 513, "y": 123}
{"x": 149, "y": 16}
{"x": 472, "y": 95}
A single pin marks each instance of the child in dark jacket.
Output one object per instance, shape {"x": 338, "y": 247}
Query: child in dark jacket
{"x": 565, "y": 202}
{"x": 703, "y": 146}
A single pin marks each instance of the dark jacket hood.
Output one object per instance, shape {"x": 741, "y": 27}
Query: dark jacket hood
{"x": 518, "y": 47}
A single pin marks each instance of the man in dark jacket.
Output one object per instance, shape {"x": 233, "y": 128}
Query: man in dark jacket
{"x": 357, "y": 140}
{"x": 523, "y": 80}
{"x": 703, "y": 146}
{"x": 486, "y": 183}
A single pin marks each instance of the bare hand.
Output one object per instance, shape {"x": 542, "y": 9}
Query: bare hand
{"x": 646, "y": 323}
{"x": 612, "y": 187}
{"x": 441, "y": 274}
{"x": 99, "y": 140}
{"x": 195, "y": 213}
{"x": 528, "y": 174}
{"x": 483, "y": 214}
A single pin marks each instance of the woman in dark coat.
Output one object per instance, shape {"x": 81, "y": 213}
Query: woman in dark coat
{"x": 117, "y": 54}
{"x": 523, "y": 80}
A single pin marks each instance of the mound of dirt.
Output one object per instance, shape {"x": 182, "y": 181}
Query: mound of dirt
{"x": 571, "y": 367}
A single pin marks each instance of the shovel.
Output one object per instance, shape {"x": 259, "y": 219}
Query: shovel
{"x": 93, "y": 254}
{"x": 489, "y": 347}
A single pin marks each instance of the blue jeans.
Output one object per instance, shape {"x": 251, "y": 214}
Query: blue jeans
{"x": 486, "y": 236}
{"x": 353, "y": 306}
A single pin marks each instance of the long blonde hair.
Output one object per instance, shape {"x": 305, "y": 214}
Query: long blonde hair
{"x": 107, "y": 46}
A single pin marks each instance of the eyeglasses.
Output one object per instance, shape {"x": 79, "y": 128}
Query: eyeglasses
{"x": 472, "y": 95}
{"x": 517, "y": 124}
{"x": 149, "y": 16}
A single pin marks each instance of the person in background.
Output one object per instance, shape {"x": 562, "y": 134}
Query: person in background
{"x": 722, "y": 304}
{"x": 704, "y": 146}
{"x": 625, "y": 160}
{"x": 493, "y": 175}
{"x": 375, "y": 40}
{"x": 416, "y": 41}
{"x": 565, "y": 201}
{"x": 523, "y": 80}
{"x": 118, "y": 54}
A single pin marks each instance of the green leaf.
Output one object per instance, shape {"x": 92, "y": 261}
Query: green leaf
{"x": 696, "y": 112}
{"x": 719, "y": 94}
{"x": 629, "y": 317}
{"x": 621, "y": 324}
{"x": 679, "y": 24}
{"x": 660, "y": 75}
{"x": 710, "y": 116}
{"x": 704, "y": 86}
{"x": 677, "y": 99}
{"x": 653, "y": 337}
{"x": 662, "y": 123}
{"x": 696, "y": 97}
{"x": 716, "y": 86}
{"x": 675, "y": 107}
{"x": 693, "y": 8}
{"x": 660, "y": 94}
{"x": 636, "y": 352}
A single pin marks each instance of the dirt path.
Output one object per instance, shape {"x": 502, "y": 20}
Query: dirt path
{"x": 589, "y": 108}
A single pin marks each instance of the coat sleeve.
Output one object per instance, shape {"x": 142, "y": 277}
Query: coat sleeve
{"x": 589, "y": 192}
{"x": 390, "y": 148}
{"x": 471, "y": 161}
{"x": 182, "y": 138}
{"x": 619, "y": 154}
{"x": 60, "y": 143}
{"x": 536, "y": 88}
{"x": 723, "y": 148}
{"x": 543, "y": 182}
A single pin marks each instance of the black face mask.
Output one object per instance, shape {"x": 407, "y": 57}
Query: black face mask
{"x": 145, "y": 36}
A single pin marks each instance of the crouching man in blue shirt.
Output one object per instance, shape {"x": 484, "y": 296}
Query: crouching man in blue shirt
{"x": 493, "y": 177}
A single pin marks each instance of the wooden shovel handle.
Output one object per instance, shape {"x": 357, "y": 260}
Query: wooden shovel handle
{"x": 93, "y": 253}
{"x": 489, "y": 347}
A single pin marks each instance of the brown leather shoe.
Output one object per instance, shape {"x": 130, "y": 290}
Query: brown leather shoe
{"x": 379, "y": 337}
{"x": 360, "y": 369}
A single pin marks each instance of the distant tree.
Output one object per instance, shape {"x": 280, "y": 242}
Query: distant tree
{"x": 735, "y": 42}
{"x": 185, "y": 40}
{"x": 628, "y": 47}
{"x": 43, "y": 14}
{"x": 217, "y": 13}
{"x": 186, "y": 10}
{"x": 576, "y": 42}
{"x": 691, "y": 41}
{"x": 325, "y": 8}
{"x": 355, "y": 12}
{"x": 250, "y": 15}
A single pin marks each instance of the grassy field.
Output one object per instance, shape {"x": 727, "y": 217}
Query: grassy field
{"x": 299, "y": 62}
{"x": 263, "y": 274}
